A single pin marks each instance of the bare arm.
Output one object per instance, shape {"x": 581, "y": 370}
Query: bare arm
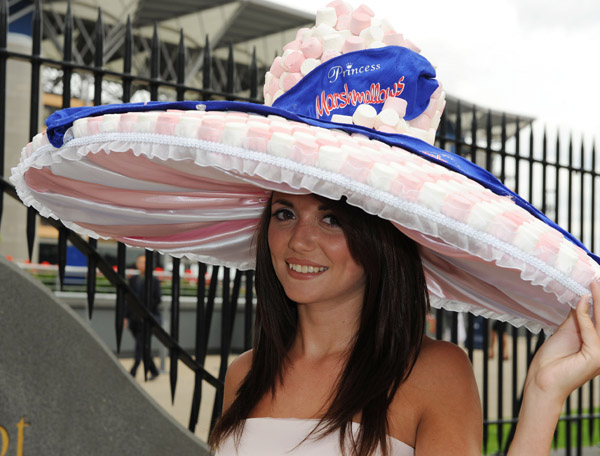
{"x": 566, "y": 361}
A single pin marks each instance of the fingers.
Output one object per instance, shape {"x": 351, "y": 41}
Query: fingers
{"x": 595, "y": 289}
{"x": 589, "y": 329}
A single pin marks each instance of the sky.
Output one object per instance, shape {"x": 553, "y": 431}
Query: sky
{"x": 539, "y": 58}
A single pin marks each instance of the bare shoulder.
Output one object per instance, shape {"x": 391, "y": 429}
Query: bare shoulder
{"x": 236, "y": 372}
{"x": 443, "y": 398}
{"x": 443, "y": 364}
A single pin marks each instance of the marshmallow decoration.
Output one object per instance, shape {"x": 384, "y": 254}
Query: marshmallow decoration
{"x": 340, "y": 30}
{"x": 192, "y": 179}
{"x": 194, "y": 182}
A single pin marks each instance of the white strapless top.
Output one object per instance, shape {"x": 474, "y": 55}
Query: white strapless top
{"x": 281, "y": 437}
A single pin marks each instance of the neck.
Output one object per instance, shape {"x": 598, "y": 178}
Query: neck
{"x": 325, "y": 330}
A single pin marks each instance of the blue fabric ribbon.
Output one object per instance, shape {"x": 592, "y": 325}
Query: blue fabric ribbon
{"x": 60, "y": 121}
{"x": 341, "y": 84}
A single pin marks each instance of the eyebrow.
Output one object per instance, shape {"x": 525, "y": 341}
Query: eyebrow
{"x": 284, "y": 202}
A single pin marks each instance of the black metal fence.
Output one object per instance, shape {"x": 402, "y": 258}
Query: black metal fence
{"x": 506, "y": 145}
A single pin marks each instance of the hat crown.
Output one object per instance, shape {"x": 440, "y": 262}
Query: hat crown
{"x": 349, "y": 58}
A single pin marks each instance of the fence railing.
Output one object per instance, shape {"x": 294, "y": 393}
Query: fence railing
{"x": 526, "y": 161}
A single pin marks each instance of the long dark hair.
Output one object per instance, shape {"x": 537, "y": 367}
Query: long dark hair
{"x": 385, "y": 348}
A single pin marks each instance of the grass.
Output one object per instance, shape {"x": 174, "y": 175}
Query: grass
{"x": 590, "y": 437}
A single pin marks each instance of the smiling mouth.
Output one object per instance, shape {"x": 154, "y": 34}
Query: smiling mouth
{"x": 303, "y": 269}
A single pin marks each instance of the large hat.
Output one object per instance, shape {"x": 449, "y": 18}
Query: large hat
{"x": 354, "y": 112}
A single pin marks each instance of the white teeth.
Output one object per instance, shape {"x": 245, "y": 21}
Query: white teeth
{"x": 303, "y": 269}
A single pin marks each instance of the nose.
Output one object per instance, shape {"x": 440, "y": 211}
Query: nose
{"x": 303, "y": 236}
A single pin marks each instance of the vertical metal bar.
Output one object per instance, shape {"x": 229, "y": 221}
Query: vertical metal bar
{"x": 147, "y": 326}
{"x": 67, "y": 57}
{"x": 545, "y": 172}
{"x": 593, "y": 211}
{"x": 91, "y": 277}
{"x": 98, "y": 59}
{"x": 500, "y": 392}
{"x": 63, "y": 233}
{"x": 206, "y": 68}
{"x": 488, "y": 141}
{"x": 503, "y": 149}
{"x": 570, "y": 189}
{"x": 4, "y": 11}
{"x": 120, "y": 311}
{"x": 486, "y": 386}
{"x": 181, "y": 67}
{"x": 582, "y": 192}
{"x": 127, "y": 57}
{"x": 228, "y": 308}
{"x": 530, "y": 170}
{"x": 594, "y": 207}
{"x": 579, "y": 421}
{"x": 230, "y": 86}
{"x": 518, "y": 156}
{"x": 515, "y": 364}
{"x": 454, "y": 327}
{"x": 442, "y": 136}
{"x": 249, "y": 311}
{"x": 458, "y": 135}
{"x": 474, "y": 135}
{"x": 201, "y": 339}
{"x": 154, "y": 64}
{"x": 34, "y": 105}
{"x": 254, "y": 76}
{"x": 470, "y": 335}
{"x": 175, "y": 294}
{"x": 557, "y": 210}
{"x": 210, "y": 305}
{"x": 439, "y": 324}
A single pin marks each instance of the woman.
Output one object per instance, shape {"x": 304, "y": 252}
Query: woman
{"x": 339, "y": 340}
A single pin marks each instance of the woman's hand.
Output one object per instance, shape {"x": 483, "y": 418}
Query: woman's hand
{"x": 565, "y": 361}
{"x": 570, "y": 357}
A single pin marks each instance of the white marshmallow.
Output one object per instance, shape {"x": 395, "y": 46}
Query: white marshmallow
{"x": 79, "y": 129}
{"x": 432, "y": 194}
{"x": 234, "y": 133}
{"x": 376, "y": 44}
{"x": 483, "y": 214}
{"x": 110, "y": 123}
{"x": 341, "y": 119}
{"x": 187, "y": 126}
{"x": 326, "y": 16}
{"x": 281, "y": 145}
{"x": 371, "y": 34}
{"x": 145, "y": 122}
{"x": 417, "y": 133}
{"x": 277, "y": 94}
{"x": 402, "y": 127}
{"x": 381, "y": 176}
{"x": 322, "y": 30}
{"x": 567, "y": 257}
{"x": 387, "y": 117}
{"x": 331, "y": 158}
{"x": 308, "y": 65}
{"x": 365, "y": 115}
{"x": 333, "y": 42}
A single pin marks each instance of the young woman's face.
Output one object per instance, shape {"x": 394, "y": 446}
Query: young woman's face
{"x": 310, "y": 254}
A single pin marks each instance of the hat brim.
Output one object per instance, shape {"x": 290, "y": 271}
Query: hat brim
{"x": 193, "y": 183}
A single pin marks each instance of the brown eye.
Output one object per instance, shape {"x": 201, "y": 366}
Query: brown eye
{"x": 331, "y": 220}
{"x": 283, "y": 214}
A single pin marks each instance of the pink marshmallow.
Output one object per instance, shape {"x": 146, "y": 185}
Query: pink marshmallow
{"x": 301, "y": 32}
{"x": 412, "y": 46}
{"x": 312, "y": 48}
{"x": 353, "y": 43}
{"x": 276, "y": 68}
{"x": 394, "y": 39}
{"x": 343, "y": 22}
{"x": 290, "y": 80}
{"x": 273, "y": 86}
{"x": 257, "y": 138}
{"x": 305, "y": 151}
{"x": 422, "y": 122}
{"x": 341, "y": 8}
{"x": 365, "y": 9}
{"x": 293, "y": 45}
{"x": 386, "y": 129}
{"x": 328, "y": 55}
{"x": 397, "y": 104}
{"x": 359, "y": 22}
{"x": 293, "y": 62}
